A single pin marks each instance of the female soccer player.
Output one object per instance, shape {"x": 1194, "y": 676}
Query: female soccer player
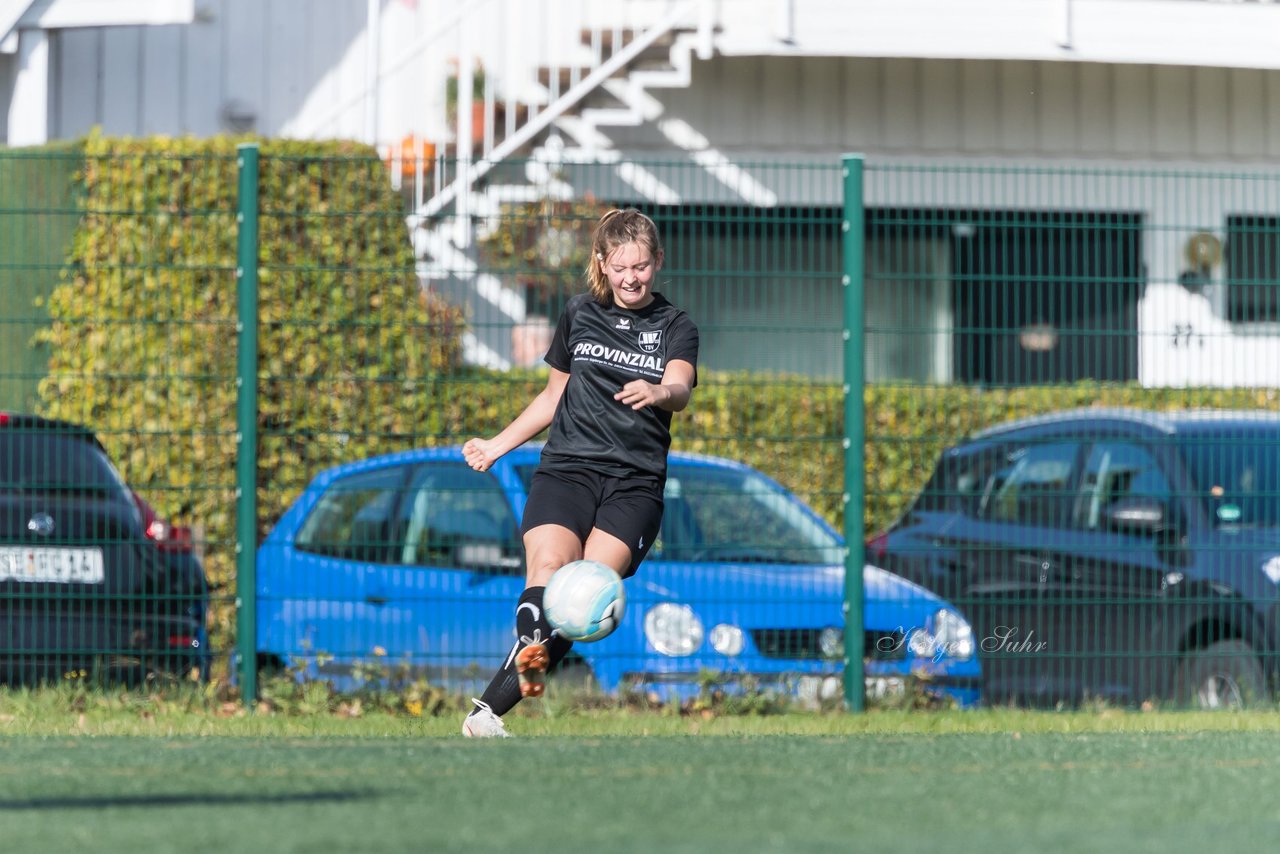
{"x": 622, "y": 359}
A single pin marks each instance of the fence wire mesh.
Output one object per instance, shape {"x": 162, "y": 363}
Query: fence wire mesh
{"x": 1122, "y": 554}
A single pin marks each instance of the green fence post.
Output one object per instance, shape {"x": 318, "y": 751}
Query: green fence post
{"x": 854, "y": 454}
{"x": 247, "y": 419}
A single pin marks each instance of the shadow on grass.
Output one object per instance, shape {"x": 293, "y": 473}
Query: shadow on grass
{"x": 178, "y": 800}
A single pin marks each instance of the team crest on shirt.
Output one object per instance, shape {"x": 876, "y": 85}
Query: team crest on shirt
{"x": 651, "y": 340}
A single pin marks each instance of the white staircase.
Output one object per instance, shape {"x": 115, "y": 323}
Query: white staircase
{"x": 550, "y": 135}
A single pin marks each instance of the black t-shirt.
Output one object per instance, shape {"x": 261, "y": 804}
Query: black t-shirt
{"x": 603, "y": 348}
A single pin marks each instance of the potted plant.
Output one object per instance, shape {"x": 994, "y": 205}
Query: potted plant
{"x": 477, "y": 104}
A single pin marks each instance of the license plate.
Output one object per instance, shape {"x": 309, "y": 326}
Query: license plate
{"x": 51, "y": 565}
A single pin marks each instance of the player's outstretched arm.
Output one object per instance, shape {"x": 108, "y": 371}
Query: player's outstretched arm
{"x": 480, "y": 454}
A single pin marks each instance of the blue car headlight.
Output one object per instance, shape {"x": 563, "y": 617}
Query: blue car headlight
{"x": 673, "y": 629}
{"x": 727, "y": 639}
{"x": 946, "y": 635}
{"x": 953, "y": 635}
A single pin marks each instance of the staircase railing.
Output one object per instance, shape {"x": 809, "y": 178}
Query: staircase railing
{"x": 525, "y": 124}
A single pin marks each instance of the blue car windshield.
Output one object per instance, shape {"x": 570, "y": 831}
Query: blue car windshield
{"x": 1237, "y": 476}
{"x": 729, "y": 515}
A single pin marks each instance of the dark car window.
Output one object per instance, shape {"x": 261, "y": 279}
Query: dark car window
{"x": 352, "y": 520}
{"x": 1237, "y": 476}
{"x": 454, "y": 516}
{"x": 1032, "y": 485}
{"x": 1026, "y": 483}
{"x": 961, "y": 482}
{"x": 1118, "y": 470}
{"x": 44, "y": 461}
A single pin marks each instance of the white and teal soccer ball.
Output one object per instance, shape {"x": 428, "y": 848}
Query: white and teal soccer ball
{"x": 584, "y": 600}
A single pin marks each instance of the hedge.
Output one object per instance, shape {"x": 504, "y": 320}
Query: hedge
{"x": 142, "y": 338}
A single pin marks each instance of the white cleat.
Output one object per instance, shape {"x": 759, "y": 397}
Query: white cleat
{"x": 483, "y": 723}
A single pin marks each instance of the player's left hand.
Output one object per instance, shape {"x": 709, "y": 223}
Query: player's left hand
{"x": 639, "y": 393}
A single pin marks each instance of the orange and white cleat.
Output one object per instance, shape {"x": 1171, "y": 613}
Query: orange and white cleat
{"x": 531, "y": 669}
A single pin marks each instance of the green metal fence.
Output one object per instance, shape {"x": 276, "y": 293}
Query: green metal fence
{"x": 37, "y": 220}
{"x": 1121, "y": 558}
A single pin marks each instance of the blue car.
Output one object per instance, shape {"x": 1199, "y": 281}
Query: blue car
{"x": 412, "y": 562}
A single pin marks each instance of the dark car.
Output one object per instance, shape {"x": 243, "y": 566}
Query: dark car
{"x": 84, "y": 591}
{"x": 1120, "y": 555}
{"x": 413, "y": 560}
{"x": 177, "y": 544}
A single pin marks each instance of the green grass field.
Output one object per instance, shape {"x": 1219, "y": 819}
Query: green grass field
{"x": 122, "y": 779}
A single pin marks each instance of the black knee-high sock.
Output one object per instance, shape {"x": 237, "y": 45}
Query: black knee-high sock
{"x": 504, "y": 689}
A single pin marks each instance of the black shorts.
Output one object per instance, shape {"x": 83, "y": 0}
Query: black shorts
{"x": 629, "y": 508}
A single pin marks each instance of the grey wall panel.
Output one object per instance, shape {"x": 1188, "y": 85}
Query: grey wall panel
{"x": 735, "y": 107}
{"x": 780, "y": 94}
{"x": 334, "y": 60}
{"x": 1170, "y": 111}
{"x": 979, "y": 99}
{"x": 76, "y": 91}
{"x": 1271, "y": 115}
{"x": 1210, "y": 107}
{"x": 288, "y": 70}
{"x": 161, "y": 85}
{"x": 901, "y": 114}
{"x": 243, "y": 65}
{"x": 1057, "y": 108}
{"x": 7, "y": 72}
{"x": 202, "y": 81}
{"x": 1131, "y": 111}
{"x": 940, "y": 107}
{"x": 1247, "y": 99}
{"x": 861, "y": 106}
{"x": 820, "y": 118}
{"x": 1095, "y": 103}
{"x": 1018, "y": 99}
{"x": 122, "y": 72}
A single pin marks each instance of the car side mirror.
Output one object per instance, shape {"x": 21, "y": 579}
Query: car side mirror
{"x": 1137, "y": 515}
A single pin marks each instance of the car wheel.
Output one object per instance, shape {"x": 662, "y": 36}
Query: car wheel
{"x": 1224, "y": 675}
{"x": 271, "y": 666}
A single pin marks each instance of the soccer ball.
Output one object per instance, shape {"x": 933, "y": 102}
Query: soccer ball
{"x": 584, "y": 600}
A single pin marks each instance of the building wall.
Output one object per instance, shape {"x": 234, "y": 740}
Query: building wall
{"x": 247, "y": 65}
{"x": 300, "y": 68}
{"x": 6, "y": 89}
{"x": 977, "y": 108}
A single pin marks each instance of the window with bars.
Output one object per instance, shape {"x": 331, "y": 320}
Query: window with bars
{"x": 1253, "y": 269}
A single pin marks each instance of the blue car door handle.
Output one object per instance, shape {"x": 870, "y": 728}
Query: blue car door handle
{"x": 377, "y": 600}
